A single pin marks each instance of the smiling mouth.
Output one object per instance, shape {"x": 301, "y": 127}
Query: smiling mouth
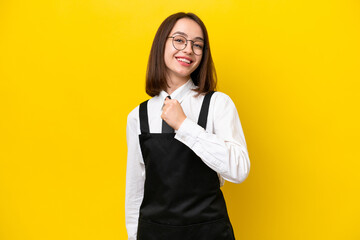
{"x": 184, "y": 60}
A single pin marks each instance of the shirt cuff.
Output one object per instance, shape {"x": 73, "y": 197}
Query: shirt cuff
{"x": 188, "y": 132}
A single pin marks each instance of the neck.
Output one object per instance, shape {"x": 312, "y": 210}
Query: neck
{"x": 175, "y": 82}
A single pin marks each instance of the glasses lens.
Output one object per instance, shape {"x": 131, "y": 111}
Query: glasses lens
{"x": 179, "y": 42}
{"x": 198, "y": 48}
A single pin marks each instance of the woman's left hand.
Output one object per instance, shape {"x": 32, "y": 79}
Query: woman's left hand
{"x": 173, "y": 113}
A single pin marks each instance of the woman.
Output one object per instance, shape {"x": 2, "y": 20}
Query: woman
{"x": 183, "y": 143}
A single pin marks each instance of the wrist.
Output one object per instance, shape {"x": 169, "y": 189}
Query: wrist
{"x": 180, "y": 122}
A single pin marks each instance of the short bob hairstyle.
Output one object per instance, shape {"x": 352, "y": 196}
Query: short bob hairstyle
{"x": 204, "y": 75}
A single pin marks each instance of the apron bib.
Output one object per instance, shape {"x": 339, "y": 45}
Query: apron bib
{"x": 182, "y": 196}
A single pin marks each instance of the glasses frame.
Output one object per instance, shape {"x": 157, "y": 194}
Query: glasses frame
{"x": 187, "y": 40}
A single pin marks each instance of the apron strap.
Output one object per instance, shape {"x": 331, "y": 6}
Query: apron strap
{"x": 205, "y": 109}
{"x": 143, "y": 116}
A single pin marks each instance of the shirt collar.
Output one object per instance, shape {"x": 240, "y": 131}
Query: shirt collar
{"x": 180, "y": 92}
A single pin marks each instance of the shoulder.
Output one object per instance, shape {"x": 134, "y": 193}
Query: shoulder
{"x": 133, "y": 119}
{"x": 220, "y": 99}
{"x": 133, "y": 116}
{"x": 222, "y": 105}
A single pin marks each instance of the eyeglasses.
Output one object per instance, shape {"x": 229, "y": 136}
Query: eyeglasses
{"x": 180, "y": 43}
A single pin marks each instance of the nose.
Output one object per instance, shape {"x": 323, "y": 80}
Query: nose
{"x": 188, "y": 48}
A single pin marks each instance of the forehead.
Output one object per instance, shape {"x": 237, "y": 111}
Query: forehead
{"x": 189, "y": 27}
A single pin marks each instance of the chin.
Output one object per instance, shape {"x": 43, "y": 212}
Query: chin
{"x": 187, "y": 75}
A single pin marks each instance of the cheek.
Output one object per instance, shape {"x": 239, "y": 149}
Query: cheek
{"x": 198, "y": 62}
{"x": 169, "y": 49}
{"x": 167, "y": 57}
{"x": 169, "y": 53}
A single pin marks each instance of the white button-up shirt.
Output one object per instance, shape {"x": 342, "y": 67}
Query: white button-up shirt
{"x": 221, "y": 145}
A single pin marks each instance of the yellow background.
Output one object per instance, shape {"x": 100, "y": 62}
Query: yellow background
{"x": 71, "y": 71}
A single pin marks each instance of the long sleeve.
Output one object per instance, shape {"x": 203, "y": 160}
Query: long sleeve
{"x": 135, "y": 176}
{"x": 225, "y": 149}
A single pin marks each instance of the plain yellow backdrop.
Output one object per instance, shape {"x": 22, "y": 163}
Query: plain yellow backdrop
{"x": 71, "y": 71}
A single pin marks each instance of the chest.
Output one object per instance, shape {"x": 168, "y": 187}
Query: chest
{"x": 191, "y": 107}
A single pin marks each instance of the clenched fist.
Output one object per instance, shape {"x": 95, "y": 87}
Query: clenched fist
{"x": 172, "y": 113}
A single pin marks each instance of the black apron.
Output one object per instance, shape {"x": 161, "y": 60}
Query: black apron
{"x": 182, "y": 196}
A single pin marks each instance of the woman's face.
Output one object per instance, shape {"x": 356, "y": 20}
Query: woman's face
{"x": 176, "y": 68}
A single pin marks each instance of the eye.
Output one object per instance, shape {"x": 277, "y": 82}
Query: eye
{"x": 179, "y": 40}
{"x": 198, "y": 46}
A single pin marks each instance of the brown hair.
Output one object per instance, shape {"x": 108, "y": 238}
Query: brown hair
{"x": 204, "y": 75}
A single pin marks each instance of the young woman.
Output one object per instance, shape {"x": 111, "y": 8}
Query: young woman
{"x": 183, "y": 143}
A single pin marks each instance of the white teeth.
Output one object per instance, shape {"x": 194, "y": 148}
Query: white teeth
{"x": 183, "y": 60}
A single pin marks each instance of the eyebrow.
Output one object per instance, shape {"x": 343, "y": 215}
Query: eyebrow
{"x": 184, "y": 34}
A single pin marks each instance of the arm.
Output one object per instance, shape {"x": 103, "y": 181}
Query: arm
{"x": 225, "y": 150}
{"x": 135, "y": 176}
